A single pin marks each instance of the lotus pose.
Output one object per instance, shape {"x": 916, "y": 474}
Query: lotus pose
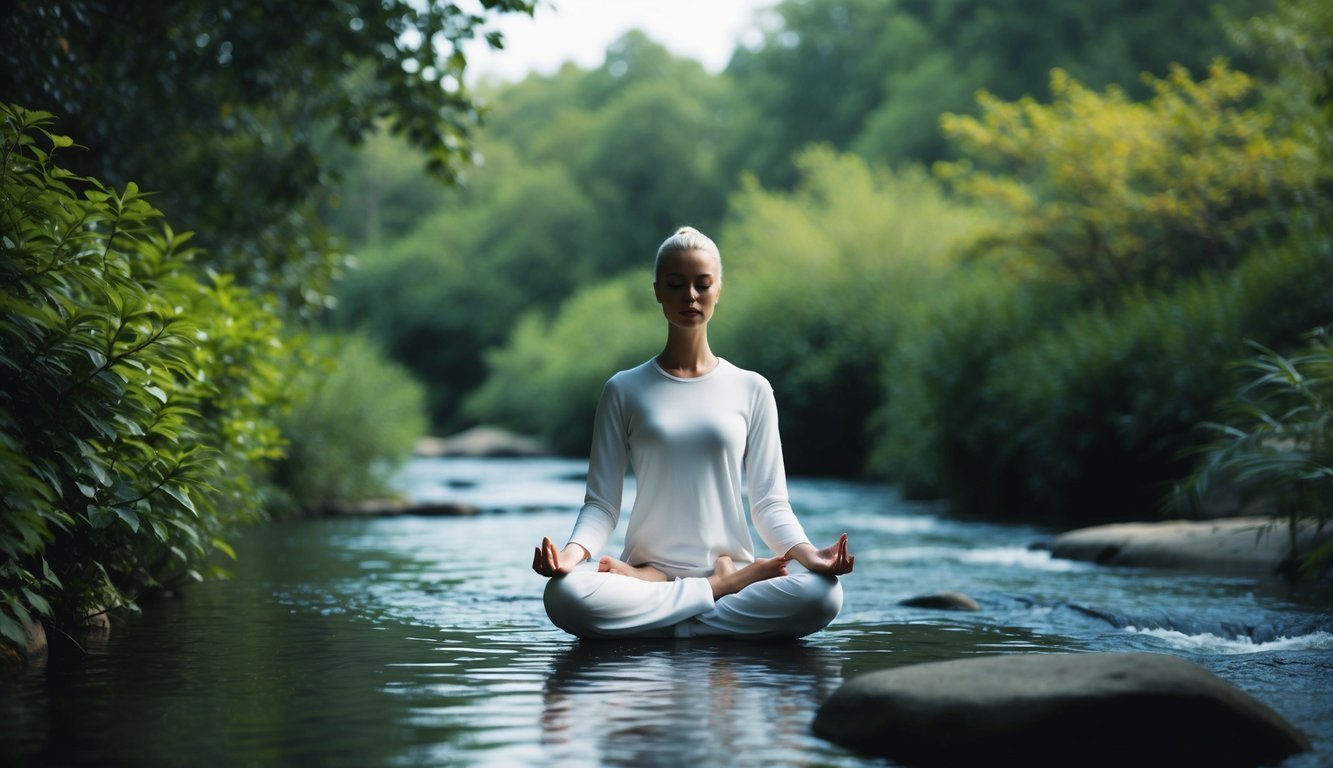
{"x": 691, "y": 424}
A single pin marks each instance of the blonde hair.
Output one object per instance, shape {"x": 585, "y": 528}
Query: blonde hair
{"x": 686, "y": 239}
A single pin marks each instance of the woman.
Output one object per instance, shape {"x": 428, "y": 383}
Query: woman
{"x": 690, "y": 423}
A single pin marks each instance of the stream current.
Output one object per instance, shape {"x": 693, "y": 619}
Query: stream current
{"x": 422, "y": 641}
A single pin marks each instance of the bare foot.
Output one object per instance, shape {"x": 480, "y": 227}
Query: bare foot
{"x": 643, "y": 572}
{"x": 726, "y": 580}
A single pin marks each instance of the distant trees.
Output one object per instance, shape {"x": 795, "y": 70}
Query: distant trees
{"x": 874, "y": 75}
{"x": 1110, "y": 193}
{"x": 1034, "y": 328}
{"x": 583, "y": 172}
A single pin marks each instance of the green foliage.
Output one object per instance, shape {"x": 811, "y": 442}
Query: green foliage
{"x": 1276, "y": 438}
{"x": 546, "y": 380}
{"x": 134, "y": 397}
{"x": 452, "y": 288}
{"x": 1082, "y": 412}
{"x": 1111, "y": 193}
{"x": 818, "y": 283}
{"x": 354, "y": 421}
{"x": 936, "y": 390}
{"x": 229, "y": 108}
{"x": 572, "y": 193}
{"x": 874, "y": 75}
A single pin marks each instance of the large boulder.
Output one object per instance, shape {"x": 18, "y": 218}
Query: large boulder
{"x": 1240, "y": 546}
{"x": 1056, "y": 709}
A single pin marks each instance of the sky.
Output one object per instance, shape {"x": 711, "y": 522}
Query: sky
{"x": 581, "y": 30}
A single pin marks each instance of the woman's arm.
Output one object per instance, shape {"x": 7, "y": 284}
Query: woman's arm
{"x": 601, "y": 503}
{"x": 766, "y": 476}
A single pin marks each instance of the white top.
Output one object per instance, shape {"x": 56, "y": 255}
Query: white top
{"x": 689, "y": 441}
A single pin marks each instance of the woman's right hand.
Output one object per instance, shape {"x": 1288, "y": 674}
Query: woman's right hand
{"x": 548, "y": 562}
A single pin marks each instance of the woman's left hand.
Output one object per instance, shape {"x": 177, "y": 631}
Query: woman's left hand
{"x": 833, "y": 559}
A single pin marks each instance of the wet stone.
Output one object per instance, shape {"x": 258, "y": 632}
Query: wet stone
{"x": 1099, "y": 709}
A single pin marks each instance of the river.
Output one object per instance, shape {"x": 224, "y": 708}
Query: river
{"x": 422, "y": 641}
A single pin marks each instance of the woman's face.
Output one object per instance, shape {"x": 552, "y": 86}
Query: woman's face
{"x": 687, "y": 287}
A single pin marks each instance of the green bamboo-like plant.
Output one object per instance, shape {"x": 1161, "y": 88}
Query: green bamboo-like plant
{"x": 1276, "y": 440}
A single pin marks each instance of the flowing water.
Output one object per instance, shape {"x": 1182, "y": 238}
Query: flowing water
{"x": 422, "y": 641}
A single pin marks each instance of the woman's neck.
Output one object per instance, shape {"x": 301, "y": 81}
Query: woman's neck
{"x": 687, "y": 355}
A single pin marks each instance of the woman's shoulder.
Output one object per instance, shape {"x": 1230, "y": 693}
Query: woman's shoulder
{"x": 752, "y": 379}
{"x": 629, "y": 376}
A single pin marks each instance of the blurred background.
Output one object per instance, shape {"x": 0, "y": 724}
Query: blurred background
{"x": 1005, "y": 253}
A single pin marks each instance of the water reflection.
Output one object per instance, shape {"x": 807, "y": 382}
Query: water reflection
{"x": 684, "y": 702}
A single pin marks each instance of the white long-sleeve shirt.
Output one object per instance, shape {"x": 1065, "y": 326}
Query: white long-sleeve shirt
{"x": 689, "y": 442}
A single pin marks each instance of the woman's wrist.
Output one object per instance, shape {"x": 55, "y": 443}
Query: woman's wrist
{"x": 577, "y": 551}
{"x": 800, "y": 552}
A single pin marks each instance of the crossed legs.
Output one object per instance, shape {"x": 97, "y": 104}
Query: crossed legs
{"x": 758, "y": 601}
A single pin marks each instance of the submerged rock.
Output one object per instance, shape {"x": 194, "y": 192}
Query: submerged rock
{"x": 1056, "y": 709}
{"x": 945, "y": 601}
{"x": 1241, "y": 545}
{"x": 395, "y": 507}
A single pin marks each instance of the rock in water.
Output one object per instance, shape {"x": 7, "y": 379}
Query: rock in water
{"x": 944, "y": 601}
{"x": 1241, "y": 546}
{"x": 1056, "y": 709}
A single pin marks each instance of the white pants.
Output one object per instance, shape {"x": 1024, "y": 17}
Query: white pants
{"x": 596, "y": 605}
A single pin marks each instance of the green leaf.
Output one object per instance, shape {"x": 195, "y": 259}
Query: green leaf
{"x": 12, "y": 630}
{"x": 130, "y": 517}
{"x": 101, "y": 517}
{"x": 50, "y": 575}
{"x": 38, "y": 602}
{"x": 224, "y": 547}
{"x": 181, "y": 495}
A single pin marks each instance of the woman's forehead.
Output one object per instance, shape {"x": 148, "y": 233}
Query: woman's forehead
{"x": 691, "y": 262}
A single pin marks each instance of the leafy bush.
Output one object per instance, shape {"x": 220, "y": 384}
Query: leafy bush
{"x": 1012, "y": 409}
{"x": 134, "y": 395}
{"x": 354, "y": 421}
{"x": 930, "y": 435}
{"x": 1108, "y": 193}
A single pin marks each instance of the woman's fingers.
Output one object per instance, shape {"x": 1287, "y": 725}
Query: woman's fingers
{"x": 845, "y": 559}
{"x": 545, "y": 561}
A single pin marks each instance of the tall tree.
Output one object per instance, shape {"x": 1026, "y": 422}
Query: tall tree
{"x": 224, "y": 107}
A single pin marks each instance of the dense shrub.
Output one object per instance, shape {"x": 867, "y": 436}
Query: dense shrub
{"x": 937, "y": 396}
{"x": 134, "y": 393}
{"x": 354, "y": 420}
{"x": 1083, "y": 413}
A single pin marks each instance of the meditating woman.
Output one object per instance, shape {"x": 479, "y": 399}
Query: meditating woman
{"x": 690, "y": 423}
